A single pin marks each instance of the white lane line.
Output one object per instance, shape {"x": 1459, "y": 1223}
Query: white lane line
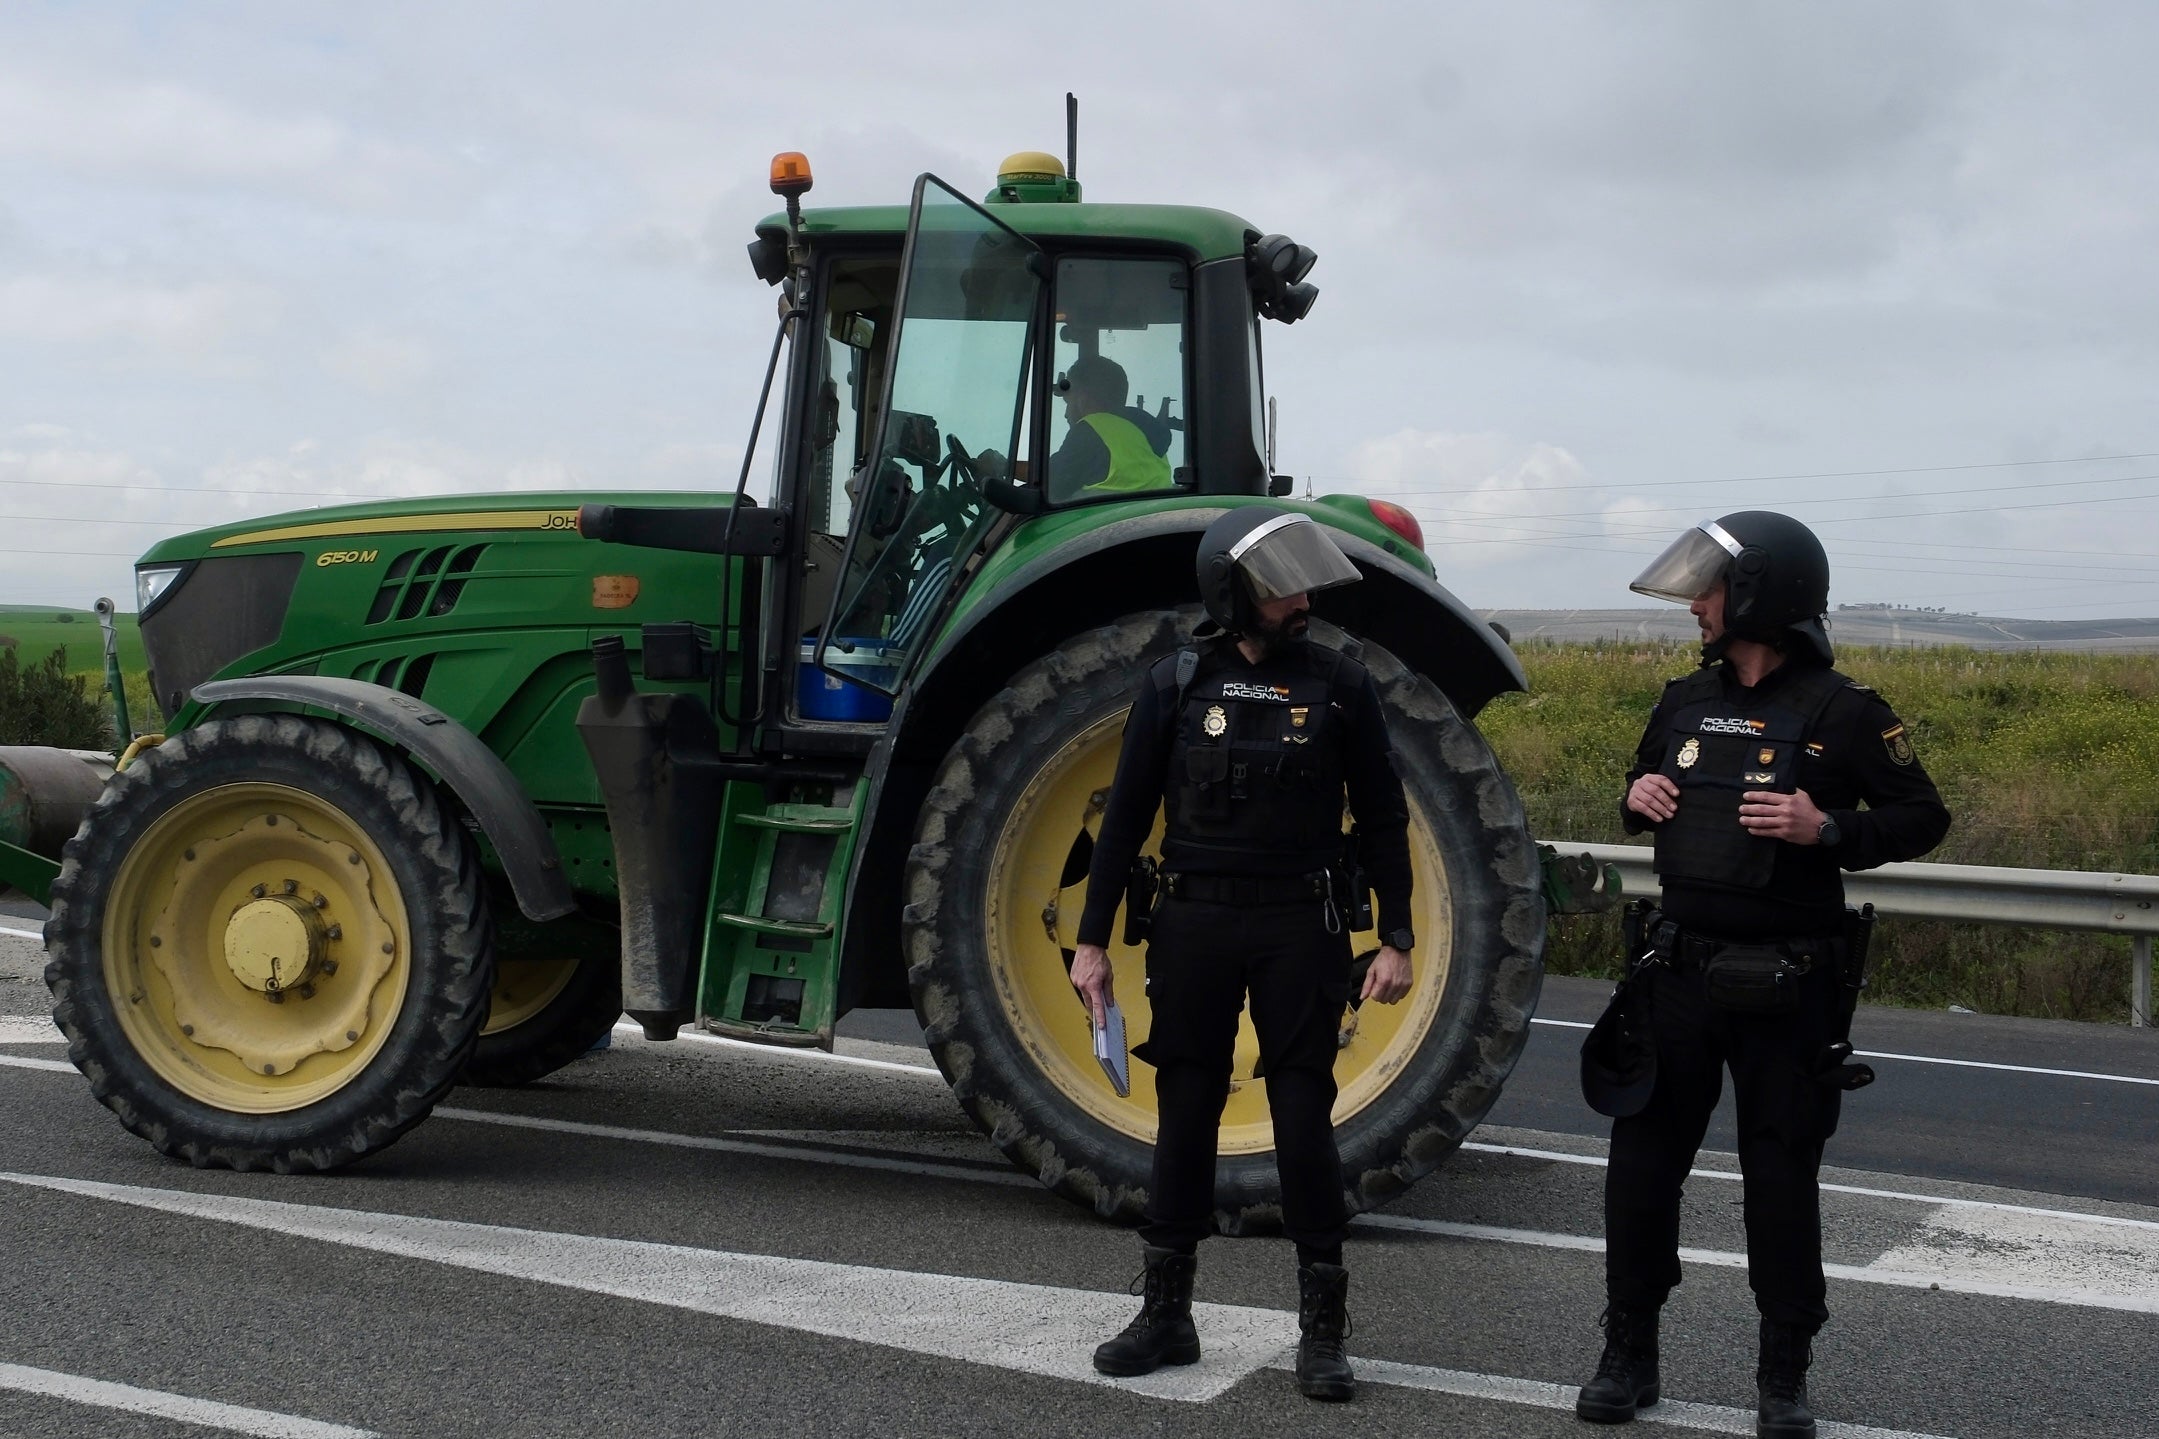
{"x": 971, "y": 1173}
{"x": 206, "y": 1412}
{"x": 779, "y": 1050}
{"x": 1937, "y": 1059}
{"x": 36, "y": 934}
{"x": 29, "y": 1029}
{"x": 1031, "y": 1328}
{"x": 1600, "y": 1162}
{"x": 20, "y": 1061}
{"x": 1532, "y": 1393}
{"x": 2044, "y": 1274}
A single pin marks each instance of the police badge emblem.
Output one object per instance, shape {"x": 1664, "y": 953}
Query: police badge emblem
{"x": 1689, "y": 753}
{"x": 1898, "y": 743}
{"x": 1766, "y": 757}
{"x": 1216, "y": 724}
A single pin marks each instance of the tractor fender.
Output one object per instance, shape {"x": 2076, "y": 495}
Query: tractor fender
{"x": 463, "y": 762}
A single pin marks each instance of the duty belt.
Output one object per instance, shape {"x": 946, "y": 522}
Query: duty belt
{"x": 1679, "y": 950}
{"x": 1247, "y": 889}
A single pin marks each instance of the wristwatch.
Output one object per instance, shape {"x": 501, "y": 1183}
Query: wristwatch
{"x": 1828, "y": 835}
{"x": 1404, "y": 939}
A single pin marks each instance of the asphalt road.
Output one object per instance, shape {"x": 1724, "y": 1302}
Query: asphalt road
{"x": 702, "y": 1238}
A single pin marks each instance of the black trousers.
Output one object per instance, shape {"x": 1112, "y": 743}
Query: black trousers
{"x": 1203, "y": 960}
{"x": 1785, "y": 1118}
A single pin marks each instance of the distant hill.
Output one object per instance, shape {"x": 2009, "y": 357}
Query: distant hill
{"x": 35, "y": 631}
{"x": 1857, "y": 625}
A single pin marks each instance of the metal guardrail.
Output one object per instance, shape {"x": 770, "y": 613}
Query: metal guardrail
{"x": 1974, "y": 893}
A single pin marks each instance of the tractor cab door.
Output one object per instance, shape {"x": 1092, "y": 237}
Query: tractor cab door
{"x": 954, "y": 409}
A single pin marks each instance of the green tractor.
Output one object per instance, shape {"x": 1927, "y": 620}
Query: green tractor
{"x": 448, "y": 785}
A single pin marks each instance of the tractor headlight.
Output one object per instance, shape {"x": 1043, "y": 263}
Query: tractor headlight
{"x": 152, "y": 582}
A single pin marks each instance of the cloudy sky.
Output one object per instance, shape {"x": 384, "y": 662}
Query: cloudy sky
{"x": 1589, "y": 271}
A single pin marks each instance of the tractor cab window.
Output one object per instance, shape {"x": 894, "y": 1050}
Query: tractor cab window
{"x": 1117, "y": 407}
{"x": 954, "y": 407}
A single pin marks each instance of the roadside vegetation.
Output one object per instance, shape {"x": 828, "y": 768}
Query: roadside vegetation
{"x": 2047, "y": 761}
{"x": 42, "y": 704}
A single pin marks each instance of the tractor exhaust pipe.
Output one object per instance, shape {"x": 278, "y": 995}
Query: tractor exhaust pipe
{"x": 663, "y": 807}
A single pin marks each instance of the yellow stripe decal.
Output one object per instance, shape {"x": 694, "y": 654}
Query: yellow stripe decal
{"x": 559, "y": 520}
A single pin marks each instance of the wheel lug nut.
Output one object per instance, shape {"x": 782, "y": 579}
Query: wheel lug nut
{"x": 329, "y": 967}
{"x": 388, "y": 947}
{"x": 190, "y": 854}
{"x": 307, "y": 991}
{"x": 156, "y": 943}
{"x": 335, "y": 931}
{"x": 353, "y": 858}
{"x": 322, "y": 901}
{"x": 270, "y": 820}
{"x": 292, "y": 886}
{"x": 259, "y": 890}
{"x": 188, "y": 1030}
{"x": 352, "y": 1036}
{"x": 269, "y": 1069}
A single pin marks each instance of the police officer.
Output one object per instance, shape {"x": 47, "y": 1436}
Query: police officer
{"x": 1250, "y": 739}
{"x": 1752, "y": 773}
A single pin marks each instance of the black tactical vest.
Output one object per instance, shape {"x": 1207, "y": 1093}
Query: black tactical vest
{"x": 1256, "y": 764}
{"x": 1716, "y": 750}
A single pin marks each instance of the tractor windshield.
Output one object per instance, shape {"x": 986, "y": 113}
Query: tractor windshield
{"x": 955, "y": 407}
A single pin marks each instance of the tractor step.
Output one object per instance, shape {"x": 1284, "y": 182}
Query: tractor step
{"x": 758, "y": 924}
{"x": 783, "y": 1036}
{"x": 840, "y": 823}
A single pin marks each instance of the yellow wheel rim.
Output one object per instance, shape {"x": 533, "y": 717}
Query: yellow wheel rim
{"x": 257, "y": 948}
{"x": 524, "y": 987}
{"x": 1031, "y": 921}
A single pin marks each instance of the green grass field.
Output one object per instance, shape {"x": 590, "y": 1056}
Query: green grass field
{"x": 34, "y": 631}
{"x": 2047, "y": 760}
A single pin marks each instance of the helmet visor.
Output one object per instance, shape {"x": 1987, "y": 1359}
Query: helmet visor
{"x": 1291, "y": 555}
{"x": 1690, "y": 566}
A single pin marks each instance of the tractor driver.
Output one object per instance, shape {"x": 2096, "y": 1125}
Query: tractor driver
{"x": 1112, "y": 446}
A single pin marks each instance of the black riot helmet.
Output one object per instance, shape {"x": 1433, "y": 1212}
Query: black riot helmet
{"x": 1777, "y": 571}
{"x": 1619, "y": 1056}
{"x": 1257, "y": 553}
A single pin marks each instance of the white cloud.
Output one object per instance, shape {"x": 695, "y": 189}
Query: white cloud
{"x": 379, "y": 362}
{"x": 89, "y": 309}
{"x": 1478, "y": 496}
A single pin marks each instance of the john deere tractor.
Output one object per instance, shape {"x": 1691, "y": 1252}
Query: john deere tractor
{"x": 449, "y": 785}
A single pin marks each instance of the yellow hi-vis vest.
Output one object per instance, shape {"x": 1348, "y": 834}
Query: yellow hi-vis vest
{"x": 1133, "y": 464}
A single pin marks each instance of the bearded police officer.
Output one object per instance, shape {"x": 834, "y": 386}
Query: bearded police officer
{"x": 1250, "y": 738}
{"x": 1752, "y": 773}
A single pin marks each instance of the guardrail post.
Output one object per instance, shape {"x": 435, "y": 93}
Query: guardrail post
{"x": 2140, "y": 981}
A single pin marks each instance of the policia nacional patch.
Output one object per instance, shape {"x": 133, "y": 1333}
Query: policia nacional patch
{"x": 1898, "y": 743}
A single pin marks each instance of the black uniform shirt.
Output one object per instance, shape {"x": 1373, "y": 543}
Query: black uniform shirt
{"x": 1858, "y": 751}
{"x": 1375, "y": 795}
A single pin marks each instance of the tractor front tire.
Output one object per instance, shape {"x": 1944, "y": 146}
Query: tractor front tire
{"x": 270, "y": 945}
{"x": 998, "y": 875}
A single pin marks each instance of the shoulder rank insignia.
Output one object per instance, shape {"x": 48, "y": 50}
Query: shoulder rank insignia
{"x": 1689, "y": 753}
{"x": 1216, "y": 722}
{"x": 1898, "y": 743}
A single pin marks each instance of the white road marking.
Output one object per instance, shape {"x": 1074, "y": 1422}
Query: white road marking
{"x": 206, "y": 1412}
{"x": 19, "y": 1061}
{"x": 778, "y": 1050}
{"x": 1031, "y": 1328}
{"x": 29, "y": 1029}
{"x": 36, "y": 934}
{"x": 2047, "y": 1271}
{"x": 984, "y": 1174}
{"x": 1600, "y": 1162}
{"x": 1937, "y": 1059}
{"x": 1715, "y": 1418}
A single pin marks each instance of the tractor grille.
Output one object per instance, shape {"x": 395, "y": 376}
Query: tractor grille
{"x": 220, "y": 610}
{"x": 425, "y": 582}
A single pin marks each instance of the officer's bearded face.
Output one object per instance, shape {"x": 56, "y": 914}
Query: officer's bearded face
{"x": 1277, "y": 622}
{"x": 1708, "y": 612}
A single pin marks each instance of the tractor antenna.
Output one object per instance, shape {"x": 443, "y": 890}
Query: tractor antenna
{"x": 1071, "y": 136}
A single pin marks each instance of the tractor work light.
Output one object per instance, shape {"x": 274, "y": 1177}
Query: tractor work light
{"x": 790, "y": 173}
{"x": 1276, "y": 266}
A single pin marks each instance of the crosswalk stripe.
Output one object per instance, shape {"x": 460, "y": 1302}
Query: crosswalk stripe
{"x": 207, "y": 1413}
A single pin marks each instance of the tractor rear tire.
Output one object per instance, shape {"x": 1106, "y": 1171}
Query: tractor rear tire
{"x": 557, "y": 993}
{"x": 997, "y": 876}
{"x": 233, "y": 854}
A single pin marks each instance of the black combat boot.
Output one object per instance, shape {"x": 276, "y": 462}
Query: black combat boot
{"x": 1627, "y": 1373}
{"x": 1163, "y": 1332}
{"x": 1780, "y": 1378}
{"x": 1323, "y": 1370}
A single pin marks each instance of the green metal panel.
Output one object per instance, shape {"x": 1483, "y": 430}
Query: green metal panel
{"x": 1208, "y": 234}
{"x": 33, "y": 874}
